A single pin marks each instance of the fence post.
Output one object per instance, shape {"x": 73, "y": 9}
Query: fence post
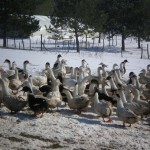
{"x": 103, "y": 44}
{"x": 41, "y": 42}
{"x": 112, "y": 40}
{"x": 93, "y": 42}
{"x": 55, "y": 43}
{"x": 109, "y": 39}
{"x": 7, "y": 43}
{"x": 147, "y": 51}
{"x": 23, "y": 43}
{"x": 141, "y": 51}
{"x": 30, "y": 43}
{"x": 14, "y": 42}
{"x": 63, "y": 45}
{"x": 116, "y": 40}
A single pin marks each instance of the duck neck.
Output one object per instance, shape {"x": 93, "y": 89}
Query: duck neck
{"x": 104, "y": 89}
{"x": 137, "y": 95}
{"x": 13, "y": 66}
{"x": 16, "y": 74}
{"x": 51, "y": 73}
{"x": 123, "y": 97}
{"x": 89, "y": 69}
{"x": 83, "y": 64}
{"x": 81, "y": 75}
{"x": 47, "y": 66}
{"x": 119, "y": 73}
{"x": 96, "y": 98}
{"x": 76, "y": 92}
{"x": 133, "y": 81}
{"x": 121, "y": 67}
{"x": 72, "y": 73}
{"x": 9, "y": 65}
{"x": 137, "y": 83}
{"x": 68, "y": 94}
{"x": 56, "y": 87}
{"x": 148, "y": 67}
{"x": 92, "y": 89}
{"x": 120, "y": 103}
{"x": 76, "y": 73}
{"x": 112, "y": 83}
{"x": 144, "y": 72}
{"x": 117, "y": 78}
{"x": 99, "y": 72}
{"x": 25, "y": 67}
{"x": 129, "y": 94}
{"x": 30, "y": 81}
{"x": 82, "y": 86}
{"x": 4, "y": 87}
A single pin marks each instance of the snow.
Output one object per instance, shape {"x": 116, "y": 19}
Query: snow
{"x": 63, "y": 129}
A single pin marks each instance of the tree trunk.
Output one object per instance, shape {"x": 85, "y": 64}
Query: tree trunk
{"x": 4, "y": 39}
{"x": 123, "y": 42}
{"x": 99, "y": 38}
{"x": 77, "y": 41}
{"x": 5, "y": 17}
{"x": 139, "y": 42}
{"x": 86, "y": 42}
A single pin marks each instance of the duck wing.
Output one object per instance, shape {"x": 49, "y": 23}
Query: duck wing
{"x": 81, "y": 102}
{"x": 14, "y": 103}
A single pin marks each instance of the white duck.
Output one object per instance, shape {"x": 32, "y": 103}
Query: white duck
{"x": 29, "y": 83}
{"x": 79, "y": 103}
{"x": 40, "y": 79}
{"x": 68, "y": 81}
{"x": 144, "y": 79}
{"x": 84, "y": 69}
{"x": 124, "y": 114}
{"x": 148, "y": 70}
{"x": 13, "y": 103}
{"x": 113, "y": 86}
{"x": 57, "y": 62}
{"x": 9, "y": 73}
{"x": 103, "y": 108}
{"x": 137, "y": 99}
{"x": 123, "y": 67}
{"x": 15, "y": 83}
{"x": 54, "y": 97}
{"x": 105, "y": 73}
{"x": 23, "y": 72}
{"x": 134, "y": 106}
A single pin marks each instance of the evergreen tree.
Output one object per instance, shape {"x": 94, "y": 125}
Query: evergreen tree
{"x": 93, "y": 15}
{"x": 16, "y": 18}
{"x": 119, "y": 15}
{"x": 139, "y": 25}
{"x": 67, "y": 14}
{"x": 43, "y": 7}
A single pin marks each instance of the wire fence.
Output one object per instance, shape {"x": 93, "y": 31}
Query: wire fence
{"x": 41, "y": 43}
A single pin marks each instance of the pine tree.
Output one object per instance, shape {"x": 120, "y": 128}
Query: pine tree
{"x": 16, "y": 18}
{"x": 67, "y": 14}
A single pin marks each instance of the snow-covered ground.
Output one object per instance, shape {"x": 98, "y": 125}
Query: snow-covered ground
{"x": 63, "y": 129}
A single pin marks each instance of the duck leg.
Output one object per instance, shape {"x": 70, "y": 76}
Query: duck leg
{"x": 125, "y": 125}
{"x": 108, "y": 121}
{"x": 41, "y": 115}
{"x": 78, "y": 112}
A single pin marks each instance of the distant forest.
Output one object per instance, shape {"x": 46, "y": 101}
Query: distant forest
{"x": 82, "y": 17}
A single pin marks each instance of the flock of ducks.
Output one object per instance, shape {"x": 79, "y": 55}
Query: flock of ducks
{"x": 105, "y": 93}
